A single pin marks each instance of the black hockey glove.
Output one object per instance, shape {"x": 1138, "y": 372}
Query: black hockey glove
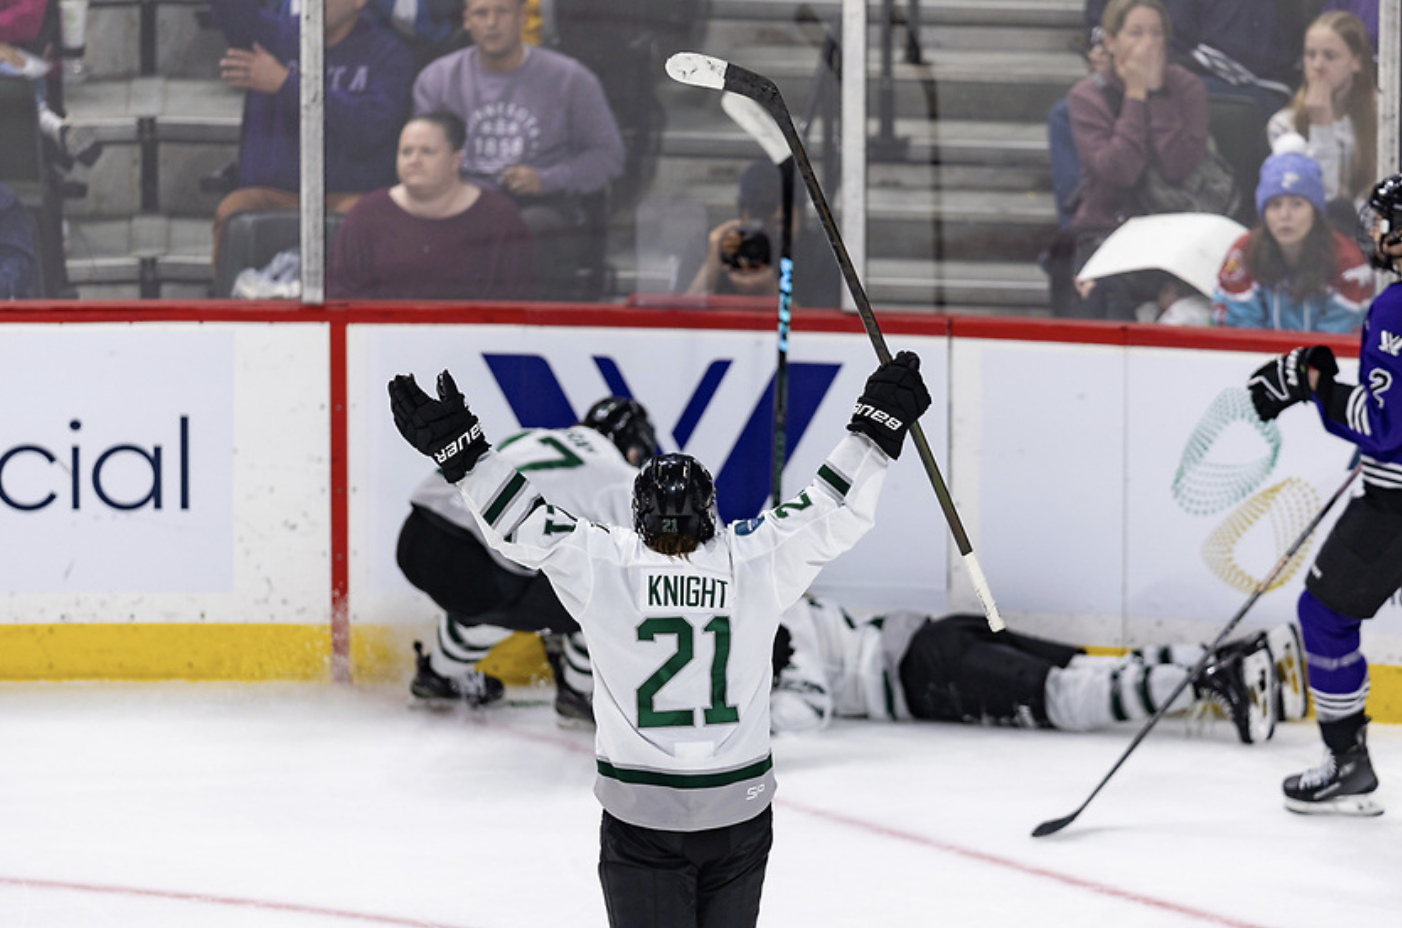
{"x": 1279, "y": 384}
{"x": 444, "y": 429}
{"x": 894, "y": 397}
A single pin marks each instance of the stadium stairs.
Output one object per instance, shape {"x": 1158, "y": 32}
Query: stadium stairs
{"x": 959, "y": 200}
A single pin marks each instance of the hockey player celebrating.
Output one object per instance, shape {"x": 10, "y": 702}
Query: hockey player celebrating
{"x": 681, "y": 615}
{"x": 587, "y": 469}
{"x": 1360, "y": 564}
{"x": 906, "y": 665}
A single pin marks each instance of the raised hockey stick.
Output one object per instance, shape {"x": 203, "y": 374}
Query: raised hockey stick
{"x": 704, "y": 71}
{"x": 1053, "y": 826}
{"x": 760, "y": 126}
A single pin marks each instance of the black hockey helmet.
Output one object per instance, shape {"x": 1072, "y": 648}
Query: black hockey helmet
{"x": 1382, "y": 210}
{"x": 625, "y": 423}
{"x": 674, "y": 503}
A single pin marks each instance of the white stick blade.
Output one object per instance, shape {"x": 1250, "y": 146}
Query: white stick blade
{"x": 697, "y": 69}
{"x": 758, "y": 125}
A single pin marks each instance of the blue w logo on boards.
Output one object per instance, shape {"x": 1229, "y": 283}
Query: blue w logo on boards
{"x": 742, "y": 481}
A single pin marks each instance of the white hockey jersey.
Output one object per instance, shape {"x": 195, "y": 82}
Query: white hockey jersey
{"x": 682, "y": 647}
{"x": 840, "y": 667}
{"x": 577, "y": 469}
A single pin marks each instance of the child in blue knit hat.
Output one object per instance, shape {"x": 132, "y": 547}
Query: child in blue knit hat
{"x": 1293, "y": 270}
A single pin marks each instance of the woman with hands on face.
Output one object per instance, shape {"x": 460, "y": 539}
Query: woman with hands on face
{"x": 1333, "y": 117}
{"x": 1141, "y": 112}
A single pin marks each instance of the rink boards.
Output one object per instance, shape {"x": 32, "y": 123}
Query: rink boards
{"x": 215, "y": 492}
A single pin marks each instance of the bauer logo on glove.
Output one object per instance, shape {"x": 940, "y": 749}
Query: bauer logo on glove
{"x": 473, "y": 434}
{"x": 880, "y": 417}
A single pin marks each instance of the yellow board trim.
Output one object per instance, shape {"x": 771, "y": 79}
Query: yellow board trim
{"x": 145, "y": 651}
{"x": 253, "y": 652}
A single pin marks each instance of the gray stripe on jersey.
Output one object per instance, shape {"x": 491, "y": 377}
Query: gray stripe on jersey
{"x": 503, "y": 497}
{"x": 696, "y": 808}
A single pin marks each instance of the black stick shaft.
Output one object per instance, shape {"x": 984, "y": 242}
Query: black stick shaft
{"x": 1056, "y": 824}
{"x": 781, "y": 370}
{"x": 763, "y": 91}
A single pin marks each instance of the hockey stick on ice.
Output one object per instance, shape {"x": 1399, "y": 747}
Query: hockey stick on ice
{"x": 760, "y": 126}
{"x": 1053, "y": 826}
{"x": 704, "y": 71}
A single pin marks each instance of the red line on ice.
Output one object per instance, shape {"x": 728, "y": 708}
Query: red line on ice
{"x": 984, "y": 857}
{"x": 221, "y": 900}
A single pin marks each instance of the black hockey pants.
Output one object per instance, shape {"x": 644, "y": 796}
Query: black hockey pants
{"x": 684, "y": 879}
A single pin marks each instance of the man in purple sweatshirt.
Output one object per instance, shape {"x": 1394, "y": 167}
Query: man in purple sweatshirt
{"x": 369, "y": 78}
{"x": 538, "y": 128}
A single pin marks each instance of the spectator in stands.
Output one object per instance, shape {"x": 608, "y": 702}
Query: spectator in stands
{"x": 17, "y": 266}
{"x": 1334, "y": 115}
{"x": 538, "y": 128}
{"x": 432, "y": 236}
{"x": 20, "y": 20}
{"x": 1293, "y": 270}
{"x": 1237, "y": 47}
{"x": 727, "y": 267}
{"x": 429, "y": 28}
{"x": 368, "y": 81}
{"x": 1142, "y": 113}
{"x": 21, "y": 23}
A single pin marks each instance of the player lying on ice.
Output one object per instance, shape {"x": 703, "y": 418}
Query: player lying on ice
{"x": 909, "y": 665}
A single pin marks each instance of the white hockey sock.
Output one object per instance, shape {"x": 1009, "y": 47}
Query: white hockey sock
{"x": 1090, "y": 694}
{"x": 460, "y": 647}
{"x": 579, "y": 669}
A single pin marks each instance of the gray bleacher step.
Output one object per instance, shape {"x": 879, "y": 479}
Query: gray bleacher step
{"x": 924, "y": 224}
{"x": 730, "y": 34}
{"x": 189, "y": 109}
{"x": 950, "y": 64}
{"x": 946, "y": 141}
{"x": 971, "y": 84}
{"x": 1028, "y": 13}
{"x": 937, "y": 284}
{"x": 100, "y": 250}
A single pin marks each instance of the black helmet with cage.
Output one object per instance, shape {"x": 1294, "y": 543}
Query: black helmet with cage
{"x": 674, "y": 504}
{"x": 1381, "y": 213}
{"x": 625, "y": 423}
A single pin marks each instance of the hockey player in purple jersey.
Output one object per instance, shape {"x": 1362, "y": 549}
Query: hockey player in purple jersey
{"x": 1360, "y": 564}
{"x": 681, "y": 613}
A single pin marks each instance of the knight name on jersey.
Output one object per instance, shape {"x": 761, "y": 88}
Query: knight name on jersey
{"x": 684, "y": 591}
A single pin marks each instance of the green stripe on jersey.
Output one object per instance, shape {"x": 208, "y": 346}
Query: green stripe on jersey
{"x": 685, "y": 780}
{"x": 835, "y": 480}
{"x": 503, "y": 499}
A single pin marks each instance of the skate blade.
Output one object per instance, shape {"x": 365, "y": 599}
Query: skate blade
{"x": 441, "y": 706}
{"x": 573, "y": 723}
{"x": 1362, "y": 805}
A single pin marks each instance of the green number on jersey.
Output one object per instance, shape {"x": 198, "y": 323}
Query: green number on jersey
{"x": 554, "y": 454}
{"x": 718, "y": 713}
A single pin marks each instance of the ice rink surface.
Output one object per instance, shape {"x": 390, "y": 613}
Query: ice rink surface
{"x": 311, "y": 806}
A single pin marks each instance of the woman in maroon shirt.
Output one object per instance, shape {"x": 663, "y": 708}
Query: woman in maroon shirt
{"x": 1141, "y": 111}
{"x": 433, "y": 236}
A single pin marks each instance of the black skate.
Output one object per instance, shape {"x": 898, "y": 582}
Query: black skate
{"x": 432, "y": 688}
{"x": 573, "y": 708}
{"x": 1240, "y": 682}
{"x": 1339, "y": 786}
